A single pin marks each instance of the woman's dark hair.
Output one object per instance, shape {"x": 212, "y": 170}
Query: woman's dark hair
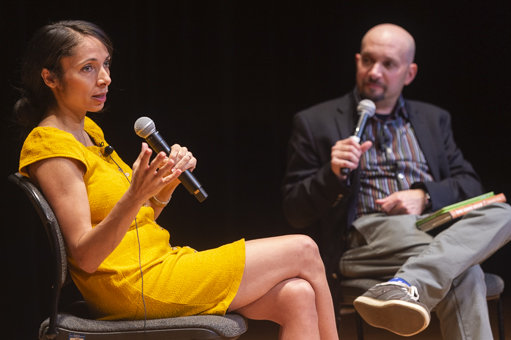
{"x": 47, "y": 47}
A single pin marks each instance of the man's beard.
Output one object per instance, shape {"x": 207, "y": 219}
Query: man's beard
{"x": 372, "y": 96}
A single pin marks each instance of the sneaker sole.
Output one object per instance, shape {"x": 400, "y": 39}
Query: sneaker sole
{"x": 400, "y": 317}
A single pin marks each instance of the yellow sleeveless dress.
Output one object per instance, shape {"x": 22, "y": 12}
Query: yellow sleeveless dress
{"x": 178, "y": 281}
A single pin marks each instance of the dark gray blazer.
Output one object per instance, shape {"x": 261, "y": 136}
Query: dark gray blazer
{"x": 314, "y": 199}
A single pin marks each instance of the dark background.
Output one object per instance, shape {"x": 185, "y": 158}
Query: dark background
{"x": 224, "y": 78}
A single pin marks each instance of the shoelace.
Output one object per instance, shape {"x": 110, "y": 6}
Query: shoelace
{"x": 410, "y": 290}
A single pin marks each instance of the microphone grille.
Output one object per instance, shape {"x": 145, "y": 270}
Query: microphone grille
{"x": 366, "y": 106}
{"x": 144, "y": 127}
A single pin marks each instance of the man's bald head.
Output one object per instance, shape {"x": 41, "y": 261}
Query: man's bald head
{"x": 392, "y": 35}
{"x": 385, "y": 65}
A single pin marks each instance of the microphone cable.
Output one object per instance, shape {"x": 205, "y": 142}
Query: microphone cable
{"x": 108, "y": 152}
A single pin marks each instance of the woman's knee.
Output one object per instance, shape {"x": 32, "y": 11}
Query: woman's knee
{"x": 298, "y": 296}
{"x": 302, "y": 245}
{"x": 308, "y": 254}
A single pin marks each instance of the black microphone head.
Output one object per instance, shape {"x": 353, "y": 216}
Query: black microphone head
{"x": 366, "y": 106}
{"x": 144, "y": 127}
{"x": 108, "y": 150}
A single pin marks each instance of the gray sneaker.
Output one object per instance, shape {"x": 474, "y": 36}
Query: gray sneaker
{"x": 393, "y": 306}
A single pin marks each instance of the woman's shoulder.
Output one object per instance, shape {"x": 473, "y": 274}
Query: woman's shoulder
{"x": 47, "y": 142}
{"x": 49, "y": 137}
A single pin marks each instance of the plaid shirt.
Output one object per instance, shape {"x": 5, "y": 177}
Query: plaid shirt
{"x": 393, "y": 163}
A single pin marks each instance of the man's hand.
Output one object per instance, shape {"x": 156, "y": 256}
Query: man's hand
{"x": 346, "y": 154}
{"x": 412, "y": 202}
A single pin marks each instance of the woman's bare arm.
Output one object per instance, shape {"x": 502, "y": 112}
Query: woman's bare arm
{"x": 67, "y": 195}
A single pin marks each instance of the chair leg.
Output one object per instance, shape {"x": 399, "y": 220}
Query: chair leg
{"x": 500, "y": 319}
{"x": 360, "y": 330}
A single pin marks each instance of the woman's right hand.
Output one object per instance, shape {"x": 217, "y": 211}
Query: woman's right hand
{"x": 149, "y": 178}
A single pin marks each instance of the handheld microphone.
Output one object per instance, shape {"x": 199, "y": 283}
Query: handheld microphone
{"x": 145, "y": 128}
{"x": 365, "y": 109}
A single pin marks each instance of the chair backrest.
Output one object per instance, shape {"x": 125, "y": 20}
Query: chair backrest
{"x": 54, "y": 234}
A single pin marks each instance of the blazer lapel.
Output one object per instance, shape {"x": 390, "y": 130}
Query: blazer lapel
{"x": 347, "y": 117}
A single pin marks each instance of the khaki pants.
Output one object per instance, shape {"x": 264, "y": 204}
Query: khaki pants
{"x": 445, "y": 269}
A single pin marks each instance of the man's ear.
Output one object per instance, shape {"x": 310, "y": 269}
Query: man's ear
{"x": 49, "y": 78}
{"x": 357, "y": 58}
{"x": 411, "y": 73}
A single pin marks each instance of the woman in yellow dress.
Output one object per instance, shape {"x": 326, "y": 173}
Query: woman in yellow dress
{"x": 119, "y": 257}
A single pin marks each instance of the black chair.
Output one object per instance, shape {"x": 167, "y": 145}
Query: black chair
{"x": 352, "y": 288}
{"x": 74, "y": 322}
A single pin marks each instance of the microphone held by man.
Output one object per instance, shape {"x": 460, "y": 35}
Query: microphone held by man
{"x": 365, "y": 109}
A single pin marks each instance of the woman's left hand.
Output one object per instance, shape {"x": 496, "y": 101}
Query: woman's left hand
{"x": 182, "y": 157}
{"x": 183, "y": 160}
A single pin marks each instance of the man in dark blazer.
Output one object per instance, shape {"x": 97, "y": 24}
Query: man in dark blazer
{"x": 406, "y": 164}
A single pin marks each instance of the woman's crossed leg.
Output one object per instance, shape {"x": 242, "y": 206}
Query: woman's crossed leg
{"x": 284, "y": 281}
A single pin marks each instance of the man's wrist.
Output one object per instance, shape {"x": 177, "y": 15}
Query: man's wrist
{"x": 427, "y": 197}
{"x": 427, "y": 201}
